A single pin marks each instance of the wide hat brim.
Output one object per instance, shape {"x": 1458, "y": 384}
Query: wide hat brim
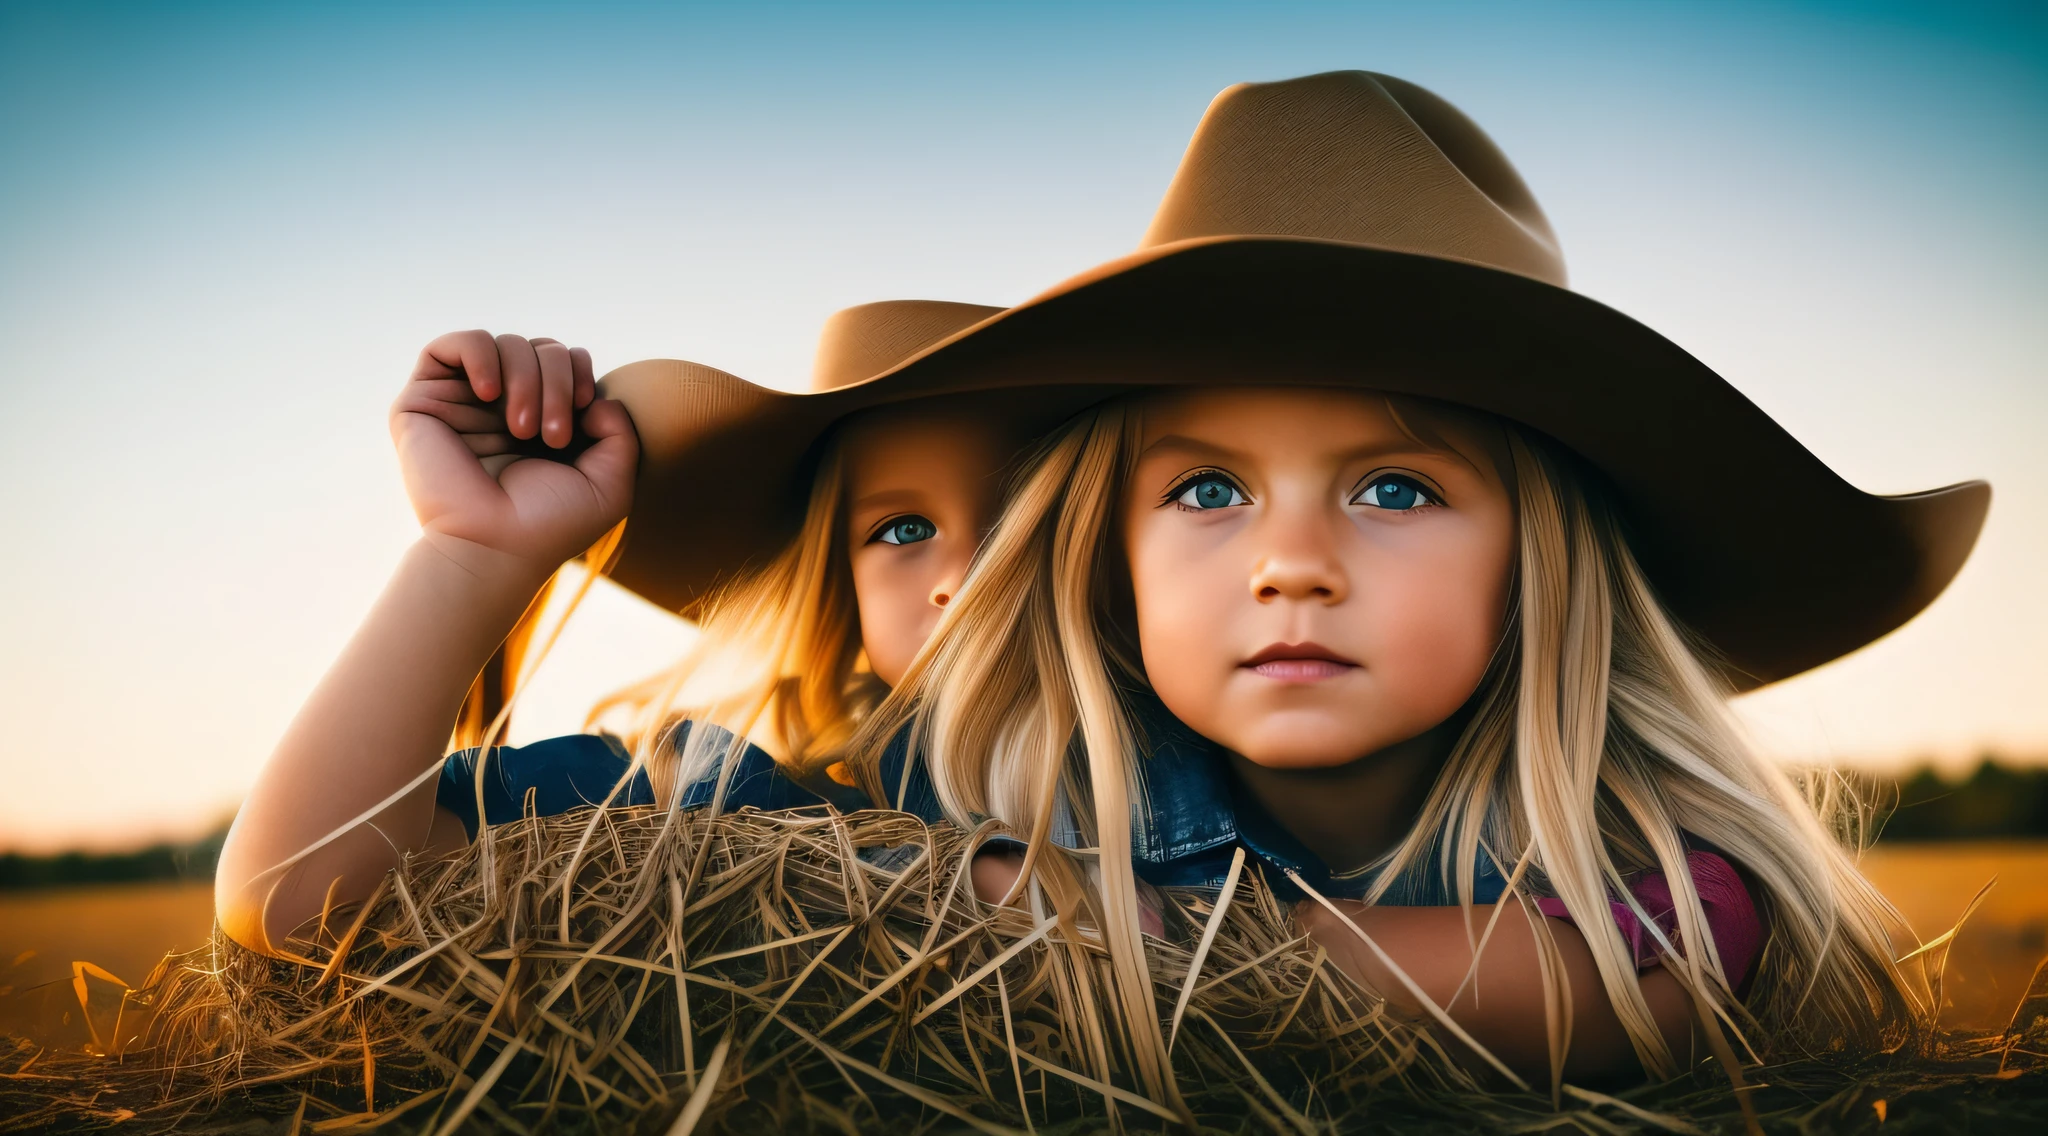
{"x": 1750, "y": 540}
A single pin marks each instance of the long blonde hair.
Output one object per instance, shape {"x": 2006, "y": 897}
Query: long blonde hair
{"x": 1598, "y": 730}
{"x": 777, "y": 660}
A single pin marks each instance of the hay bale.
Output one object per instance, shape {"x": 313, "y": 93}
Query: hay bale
{"x": 633, "y": 970}
{"x": 609, "y": 969}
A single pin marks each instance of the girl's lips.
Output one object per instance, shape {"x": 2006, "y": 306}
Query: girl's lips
{"x": 1298, "y": 662}
{"x": 1302, "y": 670}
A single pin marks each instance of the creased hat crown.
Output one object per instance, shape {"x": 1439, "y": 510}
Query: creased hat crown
{"x": 861, "y": 342}
{"x": 1357, "y": 157}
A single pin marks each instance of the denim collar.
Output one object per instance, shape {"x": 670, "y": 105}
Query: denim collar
{"x": 1190, "y": 815}
{"x": 1193, "y": 811}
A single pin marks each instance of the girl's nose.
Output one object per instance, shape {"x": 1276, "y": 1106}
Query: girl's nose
{"x": 1304, "y": 567}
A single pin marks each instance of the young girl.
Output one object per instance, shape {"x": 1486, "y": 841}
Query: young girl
{"x": 1418, "y": 659}
{"x": 1421, "y": 590}
{"x": 792, "y": 653}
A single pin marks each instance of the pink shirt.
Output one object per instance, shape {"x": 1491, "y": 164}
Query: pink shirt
{"x": 1731, "y": 917}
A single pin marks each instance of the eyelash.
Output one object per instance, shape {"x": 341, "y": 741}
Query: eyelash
{"x": 1430, "y": 497}
{"x": 1189, "y": 479}
{"x": 883, "y": 529}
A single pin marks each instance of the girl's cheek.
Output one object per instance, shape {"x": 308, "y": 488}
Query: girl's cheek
{"x": 1186, "y": 596}
{"x": 888, "y": 604}
{"x": 1444, "y": 640}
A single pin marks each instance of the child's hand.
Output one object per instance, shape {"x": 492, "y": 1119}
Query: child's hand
{"x": 473, "y": 404}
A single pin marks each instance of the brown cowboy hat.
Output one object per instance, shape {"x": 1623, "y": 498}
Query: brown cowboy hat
{"x": 1341, "y": 229}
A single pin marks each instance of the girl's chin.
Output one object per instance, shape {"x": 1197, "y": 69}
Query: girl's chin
{"x": 1300, "y": 762}
{"x": 1307, "y": 745}
{"x": 1289, "y": 726}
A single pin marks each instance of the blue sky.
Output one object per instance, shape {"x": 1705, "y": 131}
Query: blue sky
{"x": 226, "y": 230}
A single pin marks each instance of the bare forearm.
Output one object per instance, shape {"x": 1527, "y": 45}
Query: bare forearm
{"x": 1503, "y": 1005}
{"x": 377, "y": 720}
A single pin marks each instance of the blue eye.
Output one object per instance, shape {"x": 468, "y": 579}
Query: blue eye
{"x": 1395, "y": 492}
{"x": 907, "y": 530}
{"x": 1209, "y": 491}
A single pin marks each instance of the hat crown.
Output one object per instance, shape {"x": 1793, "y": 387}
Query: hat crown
{"x": 1361, "y": 158}
{"x": 861, "y": 342}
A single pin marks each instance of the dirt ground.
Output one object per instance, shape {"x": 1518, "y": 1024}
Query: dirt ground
{"x": 125, "y": 929}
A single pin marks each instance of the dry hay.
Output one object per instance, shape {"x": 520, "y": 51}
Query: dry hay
{"x": 631, "y": 970}
{"x": 836, "y": 971}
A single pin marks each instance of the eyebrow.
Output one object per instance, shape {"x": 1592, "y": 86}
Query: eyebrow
{"x": 1401, "y": 445}
{"x": 886, "y": 499}
{"x": 1194, "y": 445}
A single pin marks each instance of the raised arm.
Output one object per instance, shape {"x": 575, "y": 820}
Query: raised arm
{"x": 494, "y": 526}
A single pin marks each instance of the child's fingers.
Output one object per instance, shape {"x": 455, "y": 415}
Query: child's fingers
{"x": 469, "y": 419}
{"x": 472, "y": 355}
{"x": 586, "y": 376}
{"x": 557, "y": 391}
{"x": 522, "y": 385}
{"x": 610, "y": 462}
{"x": 450, "y": 401}
{"x": 455, "y": 391}
{"x": 606, "y": 419}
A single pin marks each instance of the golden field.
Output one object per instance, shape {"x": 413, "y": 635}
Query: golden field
{"x": 121, "y": 928}
{"x": 1994, "y": 957}
{"x": 124, "y": 929}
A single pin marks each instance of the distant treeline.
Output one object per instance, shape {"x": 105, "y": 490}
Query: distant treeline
{"x": 1995, "y": 802}
{"x": 191, "y": 861}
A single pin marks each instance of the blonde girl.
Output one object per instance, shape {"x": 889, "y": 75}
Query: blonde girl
{"x": 1418, "y": 583}
{"x": 816, "y": 574}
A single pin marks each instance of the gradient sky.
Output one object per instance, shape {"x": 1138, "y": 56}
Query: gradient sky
{"x": 226, "y": 231}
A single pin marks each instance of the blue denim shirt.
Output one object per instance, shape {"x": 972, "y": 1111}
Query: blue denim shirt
{"x": 1192, "y": 813}
{"x": 579, "y": 771}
